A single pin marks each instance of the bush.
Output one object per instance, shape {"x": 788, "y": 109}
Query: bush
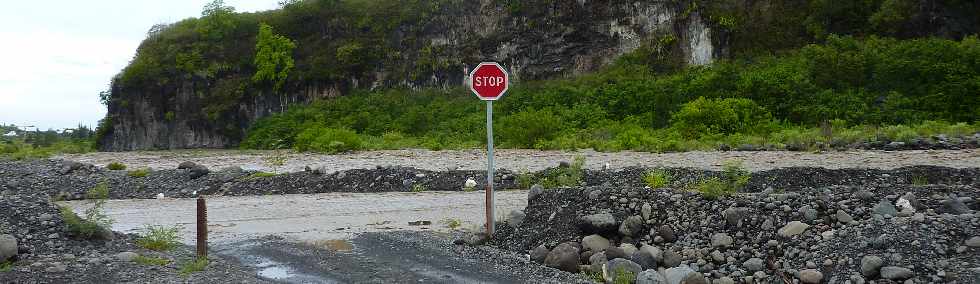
{"x": 735, "y": 174}
{"x": 116, "y": 166}
{"x": 721, "y": 116}
{"x": 418, "y": 187}
{"x": 327, "y": 140}
{"x": 159, "y": 238}
{"x": 525, "y": 179}
{"x": 656, "y": 178}
{"x": 94, "y": 223}
{"x": 139, "y": 173}
{"x": 564, "y": 176}
{"x": 151, "y": 261}
{"x": 193, "y": 266}
{"x": 713, "y": 188}
{"x": 100, "y": 191}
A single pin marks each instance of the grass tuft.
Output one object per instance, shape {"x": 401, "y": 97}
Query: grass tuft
{"x": 152, "y": 261}
{"x": 139, "y": 173}
{"x": 116, "y": 166}
{"x": 187, "y": 268}
{"x": 91, "y": 225}
{"x": 657, "y": 178}
{"x": 159, "y": 238}
{"x": 100, "y": 191}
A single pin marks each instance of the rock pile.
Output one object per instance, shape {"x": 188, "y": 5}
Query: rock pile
{"x": 834, "y": 232}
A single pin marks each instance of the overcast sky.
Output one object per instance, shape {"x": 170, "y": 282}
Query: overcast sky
{"x": 56, "y": 56}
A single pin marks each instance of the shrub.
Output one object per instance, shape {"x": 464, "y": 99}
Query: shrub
{"x": 713, "y": 188}
{"x": 193, "y": 266}
{"x": 595, "y": 276}
{"x": 452, "y": 223}
{"x": 528, "y": 127}
{"x": 159, "y": 238}
{"x": 656, "y": 178}
{"x": 418, "y": 187}
{"x": 6, "y": 266}
{"x": 327, "y": 140}
{"x": 100, "y": 191}
{"x": 92, "y": 225}
{"x": 139, "y": 173}
{"x": 564, "y": 176}
{"x": 116, "y": 166}
{"x": 525, "y": 179}
{"x": 721, "y": 116}
{"x": 622, "y": 276}
{"x": 735, "y": 174}
{"x": 152, "y": 261}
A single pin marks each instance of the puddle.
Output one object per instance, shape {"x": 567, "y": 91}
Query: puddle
{"x": 275, "y": 273}
{"x": 334, "y": 245}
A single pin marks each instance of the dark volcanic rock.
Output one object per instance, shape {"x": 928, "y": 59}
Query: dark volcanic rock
{"x": 565, "y": 257}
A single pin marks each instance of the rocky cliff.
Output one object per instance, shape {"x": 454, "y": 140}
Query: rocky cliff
{"x": 564, "y": 38}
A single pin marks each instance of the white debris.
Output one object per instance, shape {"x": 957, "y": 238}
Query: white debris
{"x": 160, "y": 195}
{"x": 904, "y": 204}
{"x": 470, "y": 183}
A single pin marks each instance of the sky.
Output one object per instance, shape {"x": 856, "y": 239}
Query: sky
{"x": 56, "y": 56}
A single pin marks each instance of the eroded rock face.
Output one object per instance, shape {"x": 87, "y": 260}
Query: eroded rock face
{"x": 558, "y": 39}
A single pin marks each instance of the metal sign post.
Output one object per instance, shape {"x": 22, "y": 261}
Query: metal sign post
{"x": 490, "y": 216}
{"x": 489, "y": 81}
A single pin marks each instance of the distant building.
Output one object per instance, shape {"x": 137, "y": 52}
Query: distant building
{"x": 11, "y": 134}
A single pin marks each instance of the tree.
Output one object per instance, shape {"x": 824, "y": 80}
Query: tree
{"x": 216, "y": 20}
{"x": 273, "y": 59}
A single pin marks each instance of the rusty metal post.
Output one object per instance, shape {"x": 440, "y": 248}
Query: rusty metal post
{"x": 202, "y": 229}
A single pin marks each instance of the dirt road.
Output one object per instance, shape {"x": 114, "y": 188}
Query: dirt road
{"x": 534, "y": 160}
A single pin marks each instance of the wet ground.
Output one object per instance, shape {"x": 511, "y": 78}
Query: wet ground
{"x": 535, "y": 160}
{"x": 344, "y": 237}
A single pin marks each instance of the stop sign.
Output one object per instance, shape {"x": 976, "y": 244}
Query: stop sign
{"x": 489, "y": 81}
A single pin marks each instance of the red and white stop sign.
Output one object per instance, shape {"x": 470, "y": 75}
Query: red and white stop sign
{"x": 489, "y": 81}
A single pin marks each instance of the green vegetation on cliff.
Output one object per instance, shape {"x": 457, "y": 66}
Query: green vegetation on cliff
{"x": 854, "y": 88}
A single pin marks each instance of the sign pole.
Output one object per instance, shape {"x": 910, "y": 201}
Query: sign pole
{"x": 490, "y": 216}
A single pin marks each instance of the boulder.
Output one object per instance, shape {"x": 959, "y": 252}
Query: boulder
{"x": 646, "y": 210}
{"x": 973, "y": 242}
{"x": 954, "y": 206}
{"x": 666, "y": 232}
{"x": 650, "y": 276}
{"x": 870, "y": 265}
{"x": 843, "y": 217}
{"x": 811, "y": 276}
{"x": 653, "y": 251}
{"x": 792, "y": 229}
{"x": 896, "y": 273}
{"x": 671, "y": 258}
{"x": 126, "y": 256}
{"x": 199, "y": 171}
{"x": 631, "y": 226}
{"x": 595, "y": 243}
{"x": 721, "y": 240}
{"x": 516, "y": 217}
{"x": 8, "y": 247}
{"x": 565, "y": 257}
{"x": 754, "y": 264}
{"x": 68, "y": 167}
{"x": 597, "y": 260}
{"x": 644, "y": 259}
{"x": 628, "y": 249}
{"x": 186, "y": 165}
{"x": 536, "y": 190}
{"x": 734, "y": 216}
{"x": 597, "y": 223}
{"x": 885, "y": 208}
{"x": 539, "y": 253}
{"x": 685, "y": 275}
{"x": 616, "y": 265}
{"x": 615, "y": 252}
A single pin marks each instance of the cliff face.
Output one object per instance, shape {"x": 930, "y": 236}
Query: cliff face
{"x": 564, "y": 38}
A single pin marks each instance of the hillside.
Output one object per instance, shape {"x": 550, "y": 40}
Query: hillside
{"x": 399, "y": 66}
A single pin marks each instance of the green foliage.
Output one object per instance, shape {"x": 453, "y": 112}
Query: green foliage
{"x": 189, "y": 267}
{"x": 525, "y": 179}
{"x": 6, "y": 266}
{"x": 159, "y": 238}
{"x": 452, "y": 223}
{"x": 564, "y": 176}
{"x": 151, "y": 261}
{"x": 656, "y": 178}
{"x": 622, "y": 276}
{"x": 713, "y": 188}
{"x": 418, "y": 187}
{"x": 919, "y": 180}
{"x": 116, "y": 166}
{"x": 99, "y": 191}
{"x": 277, "y": 158}
{"x": 139, "y": 173}
{"x": 89, "y": 227}
{"x": 721, "y": 116}
{"x": 327, "y": 140}
{"x": 273, "y": 57}
{"x": 735, "y": 174}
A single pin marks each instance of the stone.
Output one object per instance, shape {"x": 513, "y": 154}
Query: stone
{"x": 516, "y": 217}
{"x": 973, "y": 242}
{"x": 650, "y": 276}
{"x": 754, "y": 264}
{"x": 8, "y": 247}
{"x": 539, "y": 253}
{"x": 618, "y": 264}
{"x": 954, "y": 206}
{"x": 885, "y": 208}
{"x": 843, "y": 217}
{"x": 811, "y": 276}
{"x": 628, "y": 249}
{"x": 199, "y": 171}
{"x": 666, "y": 232}
{"x": 614, "y": 252}
{"x": 595, "y": 243}
{"x": 718, "y": 257}
{"x": 724, "y": 280}
{"x": 721, "y": 240}
{"x": 565, "y": 257}
{"x": 792, "y": 229}
{"x": 597, "y": 260}
{"x": 870, "y": 265}
{"x": 68, "y": 167}
{"x": 536, "y": 190}
{"x": 809, "y": 214}
{"x": 734, "y": 216}
{"x": 683, "y": 274}
{"x": 56, "y": 267}
{"x": 644, "y": 259}
{"x": 671, "y": 259}
{"x": 896, "y": 273}
{"x": 126, "y": 256}
{"x": 631, "y": 226}
{"x": 646, "y": 210}
{"x": 186, "y": 165}
{"x": 654, "y": 252}
{"x": 597, "y": 223}
{"x": 864, "y": 195}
